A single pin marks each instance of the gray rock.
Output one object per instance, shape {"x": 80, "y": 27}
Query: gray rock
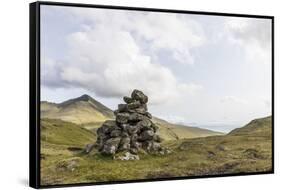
{"x": 126, "y": 156}
{"x": 136, "y": 117}
{"x": 131, "y": 129}
{"x": 157, "y": 138}
{"x": 107, "y": 127}
{"x": 134, "y": 150}
{"x": 139, "y": 95}
{"x": 68, "y": 164}
{"x": 142, "y": 109}
{"x": 89, "y": 147}
{"x": 156, "y": 146}
{"x": 134, "y": 138}
{"x": 122, "y": 117}
{"x": 164, "y": 152}
{"x": 147, "y": 114}
{"x": 146, "y": 135}
{"x": 134, "y": 105}
{"x": 125, "y": 144}
{"x": 111, "y": 145}
{"x": 135, "y": 144}
{"x": 115, "y": 133}
{"x": 128, "y": 100}
{"x": 221, "y": 147}
{"x": 144, "y": 123}
{"x": 154, "y": 127}
{"x": 122, "y": 107}
{"x": 116, "y": 112}
{"x": 124, "y": 134}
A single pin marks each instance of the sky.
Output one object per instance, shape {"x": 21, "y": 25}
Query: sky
{"x": 200, "y": 70}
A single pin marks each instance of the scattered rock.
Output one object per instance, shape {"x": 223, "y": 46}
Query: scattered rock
{"x": 220, "y": 147}
{"x": 253, "y": 154}
{"x": 211, "y": 154}
{"x": 89, "y": 147}
{"x": 126, "y": 156}
{"x": 68, "y": 164}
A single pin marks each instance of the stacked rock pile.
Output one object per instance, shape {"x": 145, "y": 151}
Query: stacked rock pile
{"x": 131, "y": 132}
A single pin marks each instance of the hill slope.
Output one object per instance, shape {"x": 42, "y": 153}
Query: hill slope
{"x": 80, "y": 110}
{"x": 91, "y": 114}
{"x": 170, "y": 131}
{"x": 261, "y": 126}
{"x": 55, "y": 131}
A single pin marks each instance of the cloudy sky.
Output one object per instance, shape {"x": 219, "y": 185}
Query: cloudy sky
{"x": 209, "y": 71}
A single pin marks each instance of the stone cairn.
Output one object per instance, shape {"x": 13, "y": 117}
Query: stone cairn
{"x": 132, "y": 131}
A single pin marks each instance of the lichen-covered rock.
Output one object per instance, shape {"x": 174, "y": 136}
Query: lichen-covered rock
{"x": 146, "y": 135}
{"x": 69, "y": 164}
{"x": 145, "y": 122}
{"x": 107, "y": 127}
{"x": 115, "y": 133}
{"x": 131, "y": 133}
{"x": 126, "y": 156}
{"x": 111, "y": 145}
{"x": 139, "y": 95}
{"x": 89, "y": 147}
{"x": 157, "y": 138}
{"x": 125, "y": 144}
{"x": 147, "y": 114}
{"x": 122, "y": 117}
{"x": 128, "y": 100}
{"x": 136, "y": 117}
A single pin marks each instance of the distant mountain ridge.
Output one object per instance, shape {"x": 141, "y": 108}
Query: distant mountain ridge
{"x": 90, "y": 113}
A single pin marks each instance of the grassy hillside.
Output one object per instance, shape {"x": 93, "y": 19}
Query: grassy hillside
{"x": 89, "y": 113}
{"x": 56, "y": 131}
{"x": 256, "y": 127}
{"x": 170, "y": 131}
{"x": 246, "y": 150}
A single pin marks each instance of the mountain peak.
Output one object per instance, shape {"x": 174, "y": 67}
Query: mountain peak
{"x": 88, "y": 100}
{"x": 85, "y": 97}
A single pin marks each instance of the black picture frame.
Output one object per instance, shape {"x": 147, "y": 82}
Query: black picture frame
{"x": 34, "y": 83}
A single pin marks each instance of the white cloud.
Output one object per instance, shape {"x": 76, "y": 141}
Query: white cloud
{"x": 253, "y": 36}
{"x": 233, "y": 99}
{"x": 105, "y": 57}
{"x": 176, "y": 33}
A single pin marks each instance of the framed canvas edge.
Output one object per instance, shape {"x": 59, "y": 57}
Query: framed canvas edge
{"x": 34, "y": 91}
{"x": 34, "y": 97}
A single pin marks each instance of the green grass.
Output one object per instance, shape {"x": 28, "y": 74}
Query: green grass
{"x": 65, "y": 133}
{"x": 234, "y": 153}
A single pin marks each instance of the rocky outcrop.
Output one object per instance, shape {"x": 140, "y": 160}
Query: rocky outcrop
{"x": 131, "y": 132}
